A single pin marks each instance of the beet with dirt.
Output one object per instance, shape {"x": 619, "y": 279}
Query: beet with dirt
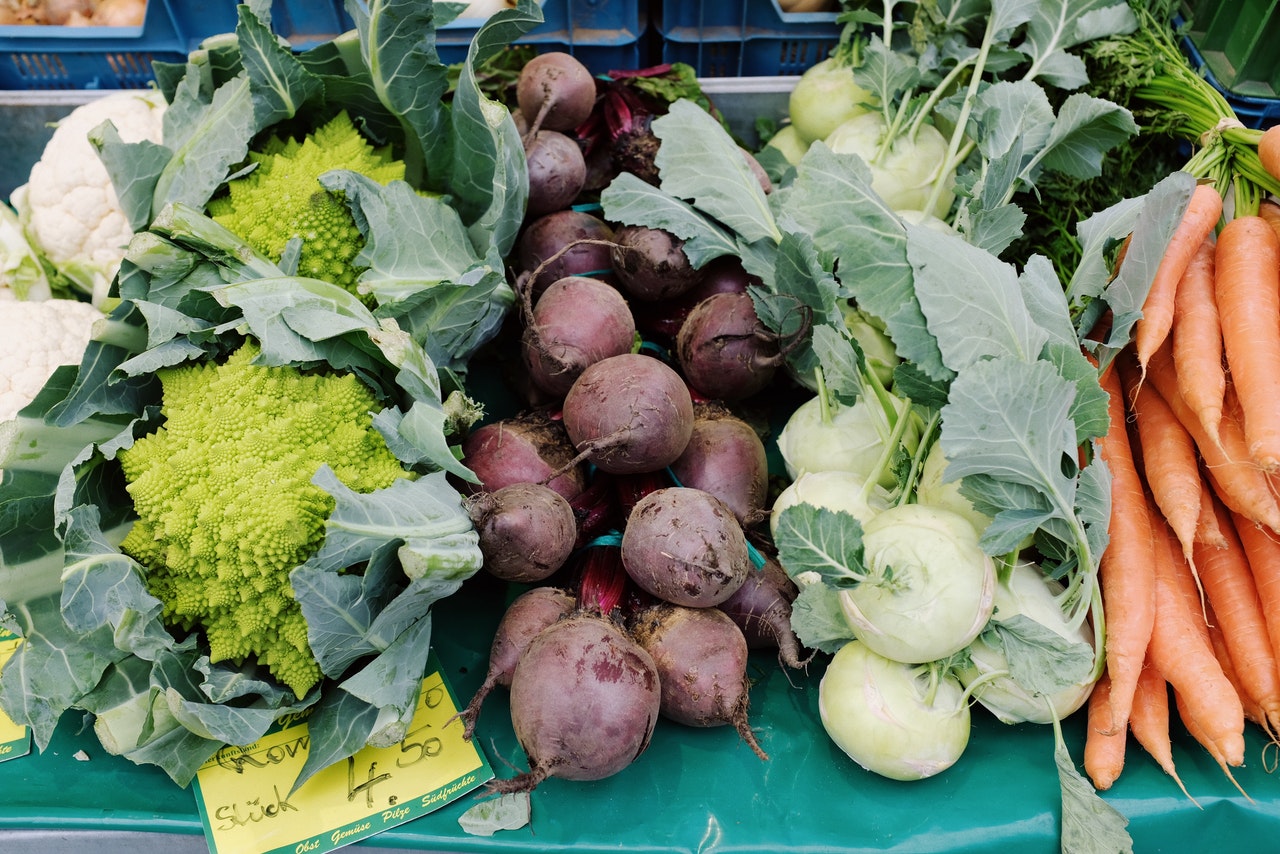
{"x": 557, "y": 171}
{"x": 651, "y": 264}
{"x": 522, "y": 621}
{"x": 628, "y": 414}
{"x": 585, "y": 699}
{"x": 527, "y": 531}
{"x": 564, "y": 243}
{"x": 725, "y": 351}
{"x": 576, "y": 322}
{"x": 685, "y": 546}
{"x": 555, "y": 91}
{"x": 701, "y": 658}
{"x": 726, "y": 457}
{"x": 530, "y": 447}
{"x": 761, "y": 608}
{"x": 661, "y": 320}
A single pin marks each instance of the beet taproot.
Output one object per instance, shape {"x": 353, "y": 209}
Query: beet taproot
{"x": 685, "y": 546}
{"x": 585, "y": 699}
{"x": 531, "y": 447}
{"x": 628, "y": 414}
{"x": 522, "y": 621}
{"x": 527, "y": 531}
{"x": 701, "y": 658}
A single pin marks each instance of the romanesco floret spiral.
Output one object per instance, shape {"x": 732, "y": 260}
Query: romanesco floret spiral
{"x": 283, "y": 198}
{"x": 226, "y": 507}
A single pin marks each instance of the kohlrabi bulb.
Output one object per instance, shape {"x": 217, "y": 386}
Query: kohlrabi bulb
{"x": 876, "y": 345}
{"x": 834, "y": 490}
{"x": 788, "y": 141}
{"x": 930, "y": 588}
{"x": 901, "y": 721}
{"x": 903, "y": 175}
{"x": 1030, "y": 593}
{"x": 851, "y": 439}
{"x": 825, "y": 97}
{"x": 933, "y": 490}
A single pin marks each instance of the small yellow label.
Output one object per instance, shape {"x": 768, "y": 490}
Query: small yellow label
{"x": 245, "y": 804}
{"x": 15, "y": 739}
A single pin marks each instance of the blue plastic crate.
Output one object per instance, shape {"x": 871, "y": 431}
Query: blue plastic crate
{"x": 51, "y": 57}
{"x": 1254, "y": 111}
{"x": 602, "y": 34}
{"x": 746, "y": 38}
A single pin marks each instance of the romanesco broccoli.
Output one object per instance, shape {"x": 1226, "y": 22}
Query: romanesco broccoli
{"x": 226, "y": 507}
{"x": 282, "y": 198}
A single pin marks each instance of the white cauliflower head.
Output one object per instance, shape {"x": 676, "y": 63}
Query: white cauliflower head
{"x": 39, "y": 336}
{"x": 68, "y": 206}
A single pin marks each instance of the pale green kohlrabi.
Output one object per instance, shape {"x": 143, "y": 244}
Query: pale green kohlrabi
{"x": 904, "y": 169}
{"x": 934, "y": 490}
{"x": 875, "y": 343}
{"x": 825, "y": 97}
{"x": 789, "y": 142}
{"x": 928, "y": 589}
{"x": 901, "y": 721}
{"x": 835, "y": 490}
{"x": 823, "y": 434}
{"x": 1008, "y": 671}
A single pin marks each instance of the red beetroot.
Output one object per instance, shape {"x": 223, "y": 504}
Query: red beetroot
{"x": 555, "y": 91}
{"x": 576, "y": 322}
{"x": 724, "y": 351}
{"x": 663, "y": 319}
{"x": 628, "y": 414}
{"x": 527, "y": 531}
{"x": 701, "y": 658}
{"x": 557, "y": 171}
{"x": 726, "y": 457}
{"x": 684, "y": 545}
{"x": 565, "y": 243}
{"x": 585, "y": 698}
{"x": 530, "y": 447}
{"x": 525, "y": 618}
{"x": 650, "y": 263}
{"x": 761, "y": 608}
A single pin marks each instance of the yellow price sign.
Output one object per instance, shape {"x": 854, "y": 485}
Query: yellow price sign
{"x": 15, "y": 739}
{"x": 247, "y": 808}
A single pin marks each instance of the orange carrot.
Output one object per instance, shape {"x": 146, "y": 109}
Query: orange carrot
{"x": 1262, "y": 550}
{"x": 1197, "y": 340}
{"x": 1237, "y": 608}
{"x": 1252, "y": 711}
{"x": 1247, "y": 291}
{"x": 1103, "y": 745}
{"x": 1180, "y": 648}
{"x": 1240, "y": 484}
{"x": 1169, "y": 459}
{"x": 1270, "y": 211}
{"x": 1150, "y": 722}
{"x": 1269, "y": 151}
{"x": 1124, "y": 573}
{"x": 1208, "y": 533}
{"x": 1185, "y": 581}
{"x": 1198, "y": 733}
{"x": 1198, "y": 221}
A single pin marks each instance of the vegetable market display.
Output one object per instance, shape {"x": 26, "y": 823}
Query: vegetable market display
{"x": 810, "y": 399}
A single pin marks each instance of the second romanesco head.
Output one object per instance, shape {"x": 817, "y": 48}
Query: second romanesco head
{"x": 282, "y": 199}
{"x": 226, "y": 507}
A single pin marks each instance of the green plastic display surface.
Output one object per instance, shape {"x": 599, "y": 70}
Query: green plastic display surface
{"x": 702, "y": 790}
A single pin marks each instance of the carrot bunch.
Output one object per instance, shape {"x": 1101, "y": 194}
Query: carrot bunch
{"x": 1191, "y": 577}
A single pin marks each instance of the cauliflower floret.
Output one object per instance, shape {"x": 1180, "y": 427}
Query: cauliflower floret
{"x": 39, "y": 336}
{"x": 69, "y": 207}
{"x": 226, "y": 507}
